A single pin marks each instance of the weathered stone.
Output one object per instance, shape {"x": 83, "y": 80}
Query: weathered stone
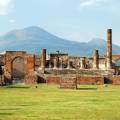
{"x": 96, "y": 59}
{"x": 109, "y": 49}
{"x": 68, "y": 83}
{"x": 90, "y": 80}
{"x": 116, "y": 80}
{"x": 43, "y": 59}
{"x": 31, "y": 78}
{"x": 11, "y": 68}
{"x": 82, "y": 63}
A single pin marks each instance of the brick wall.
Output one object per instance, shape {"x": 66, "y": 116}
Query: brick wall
{"x": 68, "y": 82}
{"x": 31, "y": 78}
{"x": 29, "y": 66}
{"x": 80, "y": 80}
{"x": 10, "y": 56}
{"x": 53, "y": 79}
{"x": 116, "y": 80}
{"x": 90, "y": 80}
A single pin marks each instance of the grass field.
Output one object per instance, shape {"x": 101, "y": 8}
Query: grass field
{"x": 52, "y": 103}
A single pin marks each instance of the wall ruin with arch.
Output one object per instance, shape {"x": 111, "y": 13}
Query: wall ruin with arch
{"x": 10, "y": 56}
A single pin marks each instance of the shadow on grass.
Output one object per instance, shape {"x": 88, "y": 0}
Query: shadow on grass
{"x": 87, "y": 88}
{"x": 7, "y": 109}
{"x": 4, "y": 114}
{"x": 18, "y": 86}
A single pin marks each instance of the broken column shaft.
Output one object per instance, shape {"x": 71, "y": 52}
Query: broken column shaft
{"x": 96, "y": 59}
{"x": 43, "y": 59}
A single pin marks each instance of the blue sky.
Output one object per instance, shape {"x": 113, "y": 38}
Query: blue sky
{"x": 77, "y": 20}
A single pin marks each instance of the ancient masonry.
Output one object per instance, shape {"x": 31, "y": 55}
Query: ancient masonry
{"x": 21, "y": 67}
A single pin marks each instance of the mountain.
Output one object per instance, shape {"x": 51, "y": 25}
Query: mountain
{"x": 33, "y": 39}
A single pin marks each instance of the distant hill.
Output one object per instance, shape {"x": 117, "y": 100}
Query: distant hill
{"x": 33, "y": 39}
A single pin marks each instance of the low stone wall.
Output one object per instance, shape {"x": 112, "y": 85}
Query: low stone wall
{"x": 88, "y": 80}
{"x": 116, "y": 80}
{"x": 53, "y": 79}
{"x": 68, "y": 82}
{"x": 31, "y": 78}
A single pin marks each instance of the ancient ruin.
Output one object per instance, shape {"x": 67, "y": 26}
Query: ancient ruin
{"x": 21, "y": 67}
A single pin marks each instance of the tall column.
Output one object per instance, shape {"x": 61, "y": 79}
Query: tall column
{"x": 43, "y": 59}
{"x": 96, "y": 59}
{"x": 109, "y": 49}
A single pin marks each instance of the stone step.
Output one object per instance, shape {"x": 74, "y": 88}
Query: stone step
{"x": 80, "y": 72}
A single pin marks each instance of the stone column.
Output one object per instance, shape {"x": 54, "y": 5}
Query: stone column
{"x": 83, "y": 63}
{"x": 109, "y": 49}
{"x": 50, "y": 64}
{"x": 61, "y": 64}
{"x": 68, "y": 64}
{"x": 55, "y": 64}
{"x": 96, "y": 59}
{"x": 43, "y": 59}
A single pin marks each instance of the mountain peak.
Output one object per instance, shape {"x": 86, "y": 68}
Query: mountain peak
{"x": 33, "y": 28}
{"x": 32, "y": 39}
{"x": 97, "y": 41}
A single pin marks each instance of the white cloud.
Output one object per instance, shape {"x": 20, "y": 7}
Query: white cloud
{"x": 87, "y": 3}
{"x": 5, "y": 5}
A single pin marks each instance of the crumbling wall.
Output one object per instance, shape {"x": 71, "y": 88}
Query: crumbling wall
{"x": 29, "y": 62}
{"x": 30, "y": 77}
{"x": 9, "y": 57}
{"x": 116, "y": 80}
{"x": 90, "y": 80}
{"x": 68, "y": 82}
{"x": 53, "y": 79}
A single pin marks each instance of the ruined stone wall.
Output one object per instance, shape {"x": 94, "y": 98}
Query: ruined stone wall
{"x": 90, "y": 80}
{"x": 30, "y": 67}
{"x": 29, "y": 64}
{"x": 31, "y": 77}
{"x": 116, "y": 80}
{"x": 53, "y": 79}
{"x": 9, "y": 57}
{"x": 102, "y": 63}
{"x": 56, "y": 59}
{"x": 84, "y": 80}
{"x": 68, "y": 82}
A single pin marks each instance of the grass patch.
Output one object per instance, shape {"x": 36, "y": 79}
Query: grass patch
{"x": 52, "y": 103}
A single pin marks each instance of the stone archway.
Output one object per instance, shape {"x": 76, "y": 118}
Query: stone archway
{"x": 18, "y": 70}
{"x": 18, "y": 67}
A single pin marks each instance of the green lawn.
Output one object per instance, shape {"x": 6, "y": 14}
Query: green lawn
{"x": 52, "y": 103}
